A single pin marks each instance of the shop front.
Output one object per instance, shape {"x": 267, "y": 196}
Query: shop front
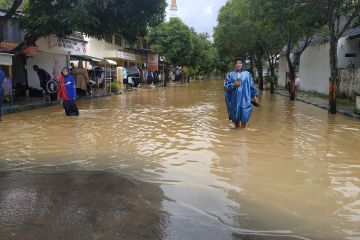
{"x": 125, "y": 59}
{"x": 52, "y": 53}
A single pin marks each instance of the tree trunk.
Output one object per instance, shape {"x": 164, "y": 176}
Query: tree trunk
{"x": 259, "y": 68}
{"x": 292, "y": 72}
{"x": 251, "y": 69}
{"x": 333, "y": 69}
{"x": 272, "y": 74}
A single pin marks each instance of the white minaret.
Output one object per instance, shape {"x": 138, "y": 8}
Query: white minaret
{"x": 173, "y": 9}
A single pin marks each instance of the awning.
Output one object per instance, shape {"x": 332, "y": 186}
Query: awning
{"x": 141, "y": 51}
{"x": 85, "y": 58}
{"x": 108, "y": 62}
{"x": 6, "y": 59}
{"x": 352, "y": 33}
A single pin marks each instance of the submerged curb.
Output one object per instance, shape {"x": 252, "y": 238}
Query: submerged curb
{"x": 346, "y": 113}
{"x": 32, "y": 106}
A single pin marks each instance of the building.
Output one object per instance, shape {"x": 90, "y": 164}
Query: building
{"x": 173, "y": 9}
{"x": 12, "y": 36}
{"x": 314, "y": 68}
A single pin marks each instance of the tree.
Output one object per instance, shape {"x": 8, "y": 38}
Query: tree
{"x": 294, "y": 23}
{"x": 229, "y": 33}
{"x": 173, "y": 41}
{"x": 237, "y": 34}
{"x": 340, "y": 16}
{"x": 208, "y": 61}
{"x": 41, "y": 18}
{"x": 10, "y": 7}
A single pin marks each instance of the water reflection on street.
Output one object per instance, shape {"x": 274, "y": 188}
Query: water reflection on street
{"x": 294, "y": 173}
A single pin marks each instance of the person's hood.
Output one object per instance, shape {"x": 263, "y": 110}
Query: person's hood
{"x": 243, "y": 68}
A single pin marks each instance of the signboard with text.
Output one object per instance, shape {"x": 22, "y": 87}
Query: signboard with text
{"x": 153, "y": 62}
{"x": 126, "y": 55}
{"x": 75, "y": 47}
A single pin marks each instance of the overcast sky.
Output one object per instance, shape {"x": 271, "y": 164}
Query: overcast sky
{"x": 199, "y": 14}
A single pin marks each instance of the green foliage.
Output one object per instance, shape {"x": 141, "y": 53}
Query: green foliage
{"x": 261, "y": 28}
{"x": 229, "y": 34}
{"x": 115, "y": 87}
{"x": 5, "y": 4}
{"x": 182, "y": 46}
{"x": 92, "y": 17}
{"x": 173, "y": 40}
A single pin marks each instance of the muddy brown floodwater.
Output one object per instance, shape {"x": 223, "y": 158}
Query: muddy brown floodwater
{"x": 164, "y": 163}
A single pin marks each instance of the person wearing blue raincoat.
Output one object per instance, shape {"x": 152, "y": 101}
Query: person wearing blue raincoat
{"x": 240, "y": 94}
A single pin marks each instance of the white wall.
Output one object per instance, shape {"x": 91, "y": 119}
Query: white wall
{"x": 100, "y": 49}
{"x": 283, "y": 69}
{"x": 49, "y": 44}
{"x": 349, "y": 82}
{"x": 314, "y": 70}
{"x": 45, "y": 61}
{"x": 345, "y": 46}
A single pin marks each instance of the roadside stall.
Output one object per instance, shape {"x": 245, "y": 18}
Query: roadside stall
{"x": 91, "y": 64}
{"x": 109, "y": 72}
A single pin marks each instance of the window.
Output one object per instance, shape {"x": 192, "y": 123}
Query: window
{"x": 109, "y": 39}
{"x": 118, "y": 40}
{"x": 138, "y": 43}
{"x": 145, "y": 43}
{"x": 350, "y": 55}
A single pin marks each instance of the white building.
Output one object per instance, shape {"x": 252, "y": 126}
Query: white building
{"x": 78, "y": 47}
{"x": 314, "y": 66}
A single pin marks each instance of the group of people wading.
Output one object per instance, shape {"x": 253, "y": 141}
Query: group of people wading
{"x": 239, "y": 89}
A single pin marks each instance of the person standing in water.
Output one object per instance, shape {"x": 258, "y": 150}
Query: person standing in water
{"x": 240, "y": 94}
{"x": 67, "y": 92}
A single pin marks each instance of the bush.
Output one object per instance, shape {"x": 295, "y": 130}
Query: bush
{"x": 115, "y": 87}
{"x": 268, "y": 79}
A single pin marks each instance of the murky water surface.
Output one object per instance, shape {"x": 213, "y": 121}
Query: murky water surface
{"x": 168, "y": 159}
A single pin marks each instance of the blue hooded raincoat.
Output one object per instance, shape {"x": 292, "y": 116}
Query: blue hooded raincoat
{"x": 238, "y": 99}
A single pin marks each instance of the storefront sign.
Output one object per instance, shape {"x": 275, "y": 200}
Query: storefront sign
{"x": 7, "y": 46}
{"x": 31, "y": 50}
{"x": 153, "y": 62}
{"x": 126, "y": 56}
{"x": 75, "y": 47}
{"x": 5, "y": 59}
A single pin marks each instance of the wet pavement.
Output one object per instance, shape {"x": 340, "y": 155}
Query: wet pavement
{"x": 306, "y": 97}
{"x": 165, "y": 163}
{"x": 79, "y": 205}
{"x": 21, "y": 104}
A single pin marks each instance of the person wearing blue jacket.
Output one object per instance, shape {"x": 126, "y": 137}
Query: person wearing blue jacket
{"x": 240, "y": 94}
{"x": 2, "y": 91}
{"x": 67, "y": 92}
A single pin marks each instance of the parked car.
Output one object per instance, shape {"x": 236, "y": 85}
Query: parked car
{"x": 135, "y": 75}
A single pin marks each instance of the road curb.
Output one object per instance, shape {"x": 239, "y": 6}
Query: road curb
{"x": 28, "y": 107}
{"x": 348, "y": 114}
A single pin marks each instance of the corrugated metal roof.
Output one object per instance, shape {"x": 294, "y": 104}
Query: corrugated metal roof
{"x": 352, "y": 33}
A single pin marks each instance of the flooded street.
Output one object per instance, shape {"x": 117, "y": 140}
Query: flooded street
{"x": 165, "y": 163}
